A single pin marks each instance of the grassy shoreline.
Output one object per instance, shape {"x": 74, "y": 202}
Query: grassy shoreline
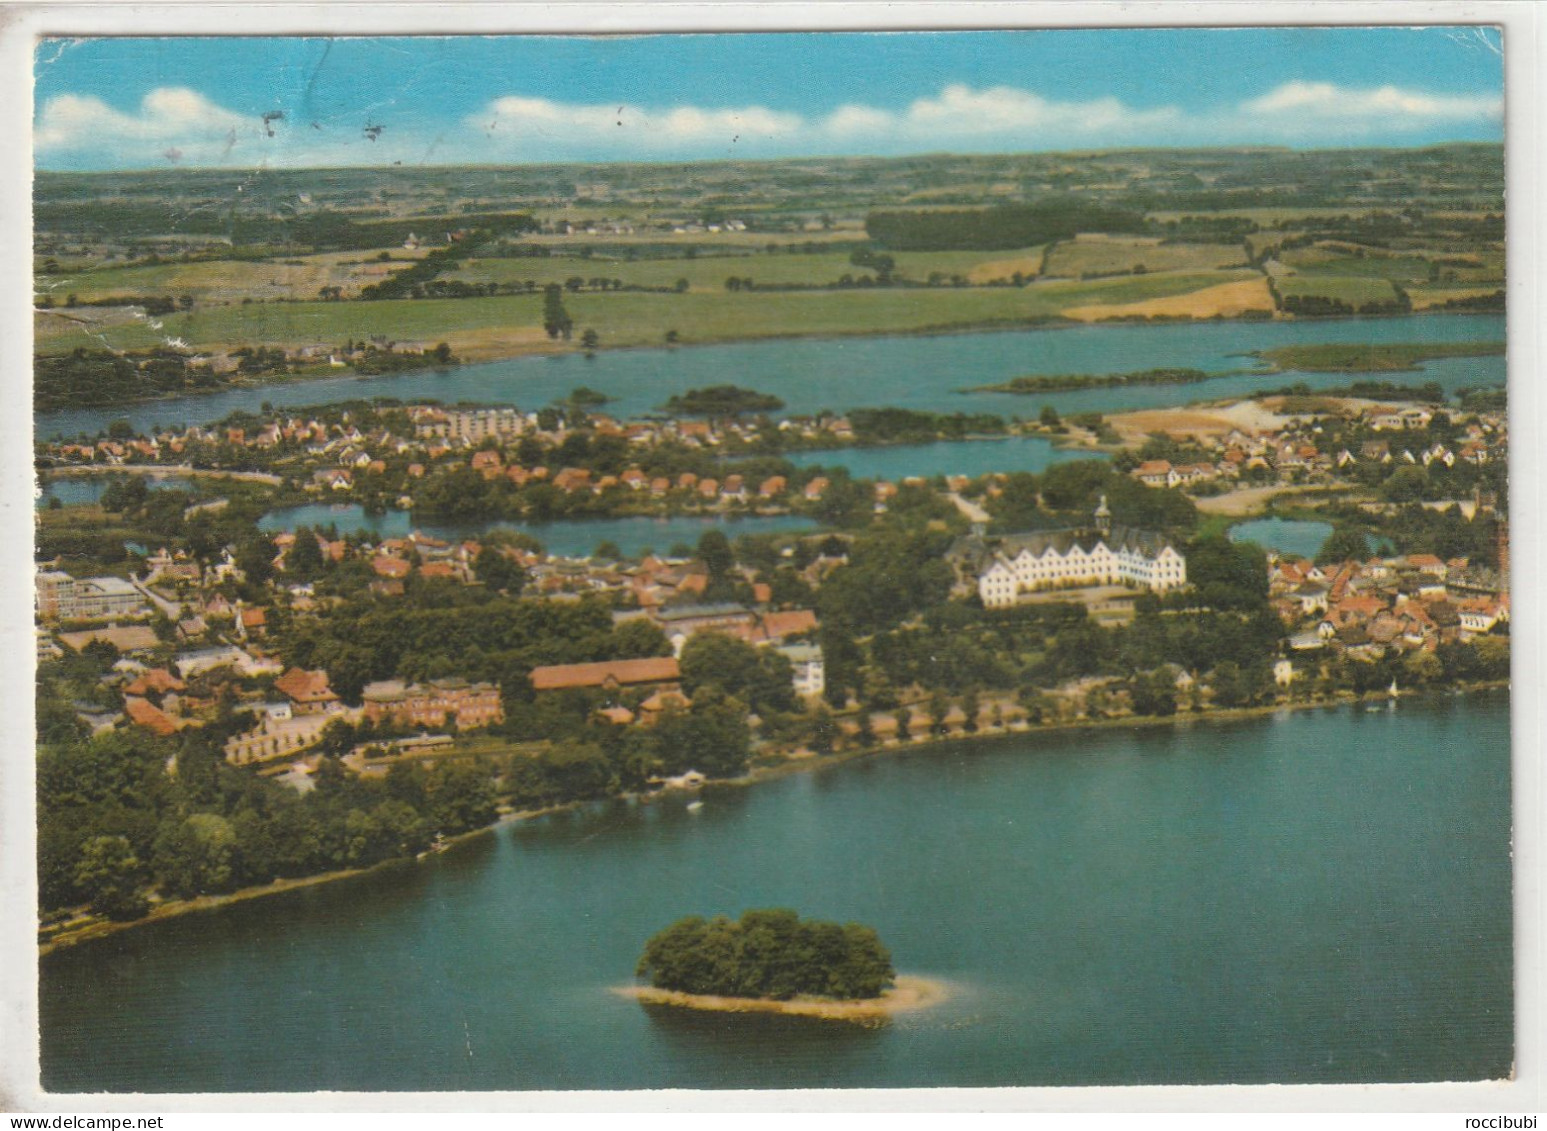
{"x": 772, "y": 772}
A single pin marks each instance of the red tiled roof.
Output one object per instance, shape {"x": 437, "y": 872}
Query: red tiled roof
{"x": 558, "y": 676}
{"x": 305, "y": 687}
{"x": 152, "y": 718}
{"x": 156, "y": 679}
{"x": 782, "y": 624}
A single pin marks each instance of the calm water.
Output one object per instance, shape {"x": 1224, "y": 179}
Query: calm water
{"x": 75, "y": 490}
{"x": 1288, "y": 536}
{"x": 568, "y": 538}
{"x": 844, "y": 373}
{"x": 1318, "y": 896}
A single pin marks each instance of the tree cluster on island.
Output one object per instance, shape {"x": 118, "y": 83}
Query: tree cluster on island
{"x": 768, "y": 954}
{"x": 721, "y": 400}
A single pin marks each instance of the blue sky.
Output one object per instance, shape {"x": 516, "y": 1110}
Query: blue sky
{"x": 199, "y": 102}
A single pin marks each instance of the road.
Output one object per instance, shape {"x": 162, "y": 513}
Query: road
{"x": 973, "y": 512}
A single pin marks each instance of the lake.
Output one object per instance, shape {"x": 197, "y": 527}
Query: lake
{"x": 77, "y": 490}
{"x": 917, "y": 372}
{"x": 1287, "y": 536}
{"x": 1314, "y": 896}
{"x": 577, "y": 537}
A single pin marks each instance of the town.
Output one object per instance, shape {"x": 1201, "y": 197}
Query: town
{"x": 416, "y": 685}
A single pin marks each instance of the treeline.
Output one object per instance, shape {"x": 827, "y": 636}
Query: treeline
{"x": 768, "y": 954}
{"x": 997, "y": 228}
{"x": 454, "y": 630}
{"x": 904, "y": 425}
{"x": 85, "y": 377}
{"x": 1430, "y": 392}
{"x": 112, "y": 823}
{"x": 333, "y": 231}
{"x": 1326, "y": 306}
{"x": 154, "y": 305}
{"x": 1066, "y": 494}
{"x": 1492, "y": 303}
{"x": 402, "y": 284}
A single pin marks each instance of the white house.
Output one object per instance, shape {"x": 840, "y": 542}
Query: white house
{"x": 809, "y": 675}
{"x": 1005, "y": 568}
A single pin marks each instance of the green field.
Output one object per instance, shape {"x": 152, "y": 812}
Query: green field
{"x": 1352, "y": 289}
{"x": 1073, "y": 258}
{"x": 488, "y": 327}
{"x": 227, "y": 280}
{"x": 709, "y": 273}
{"x": 1398, "y": 269}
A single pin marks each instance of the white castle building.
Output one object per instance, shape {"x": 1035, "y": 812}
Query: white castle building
{"x": 1005, "y": 567}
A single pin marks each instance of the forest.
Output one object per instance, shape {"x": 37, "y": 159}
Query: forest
{"x": 1002, "y": 227}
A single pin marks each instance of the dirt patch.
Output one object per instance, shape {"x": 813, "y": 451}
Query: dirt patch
{"x": 495, "y": 343}
{"x": 908, "y": 995}
{"x": 1224, "y": 300}
{"x": 996, "y": 269}
{"x": 1199, "y": 421}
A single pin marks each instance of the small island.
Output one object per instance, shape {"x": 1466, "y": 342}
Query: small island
{"x": 771, "y": 962}
{"x": 721, "y": 400}
{"x": 1367, "y": 357}
{"x": 1074, "y": 382}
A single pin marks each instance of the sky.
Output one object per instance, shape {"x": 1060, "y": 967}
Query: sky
{"x": 127, "y": 103}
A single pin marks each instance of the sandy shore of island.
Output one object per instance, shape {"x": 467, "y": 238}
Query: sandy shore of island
{"x": 910, "y": 994}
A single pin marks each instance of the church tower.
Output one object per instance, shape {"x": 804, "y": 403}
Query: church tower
{"x": 1103, "y": 517}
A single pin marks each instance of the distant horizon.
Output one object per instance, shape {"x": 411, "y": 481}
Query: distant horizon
{"x": 122, "y": 104}
{"x": 785, "y": 160}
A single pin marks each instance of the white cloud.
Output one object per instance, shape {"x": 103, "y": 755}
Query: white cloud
{"x": 960, "y": 111}
{"x": 179, "y": 125}
{"x": 1382, "y": 106}
{"x": 167, "y": 114}
{"x": 629, "y": 127}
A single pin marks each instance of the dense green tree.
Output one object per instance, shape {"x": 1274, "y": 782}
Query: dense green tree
{"x": 768, "y": 954}
{"x": 1346, "y": 543}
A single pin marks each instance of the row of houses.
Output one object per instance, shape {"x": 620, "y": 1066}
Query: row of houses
{"x": 1365, "y": 609}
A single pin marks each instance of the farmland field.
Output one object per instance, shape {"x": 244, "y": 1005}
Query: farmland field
{"x": 228, "y": 280}
{"x": 1073, "y": 258}
{"x": 709, "y": 273}
{"x": 1401, "y": 269}
{"x": 479, "y": 328}
{"x": 1352, "y": 289}
{"x": 1223, "y": 300}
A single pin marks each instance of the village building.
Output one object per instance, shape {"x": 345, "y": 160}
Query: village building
{"x": 433, "y": 704}
{"x": 661, "y": 673}
{"x": 126, "y": 638}
{"x": 61, "y": 597}
{"x": 683, "y": 621}
{"x": 308, "y": 692}
{"x": 807, "y": 670}
{"x": 276, "y": 737}
{"x": 1003, "y": 568}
